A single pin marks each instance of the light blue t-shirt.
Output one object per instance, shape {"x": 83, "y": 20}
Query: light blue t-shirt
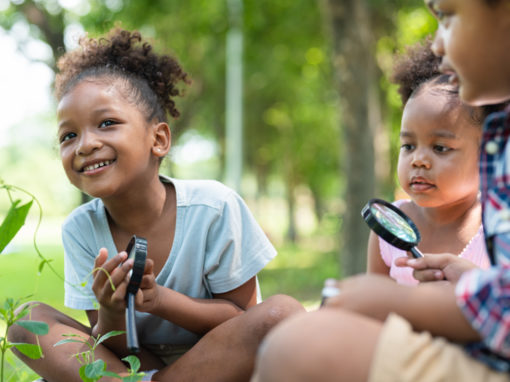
{"x": 217, "y": 247}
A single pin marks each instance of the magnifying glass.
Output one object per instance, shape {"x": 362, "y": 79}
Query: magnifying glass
{"x": 392, "y": 225}
{"x": 137, "y": 250}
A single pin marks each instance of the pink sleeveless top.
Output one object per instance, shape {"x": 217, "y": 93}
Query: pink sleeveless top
{"x": 474, "y": 251}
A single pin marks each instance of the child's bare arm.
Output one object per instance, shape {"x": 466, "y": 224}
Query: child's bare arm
{"x": 429, "y": 307}
{"x": 375, "y": 263}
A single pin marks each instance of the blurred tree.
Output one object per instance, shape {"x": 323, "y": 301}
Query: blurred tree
{"x": 356, "y": 27}
{"x": 46, "y": 20}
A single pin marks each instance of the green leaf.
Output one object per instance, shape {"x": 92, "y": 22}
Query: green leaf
{"x": 107, "y": 373}
{"x": 42, "y": 264}
{"x": 30, "y": 350}
{"x": 133, "y": 378}
{"x": 71, "y": 335}
{"x": 134, "y": 363}
{"x": 95, "y": 369}
{"x": 13, "y": 222}
{"x": 24, "y": 312}
{"x": 83, "y": 376}
{"x": 110, "y": 334}
{"x": 67, "y": 341}
{"x": 37, "y": 327}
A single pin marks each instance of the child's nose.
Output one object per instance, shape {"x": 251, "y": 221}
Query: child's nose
{"x": 438, "y": 44}
{"x": 87, "y": 143}
{"x": 421, "y": 159}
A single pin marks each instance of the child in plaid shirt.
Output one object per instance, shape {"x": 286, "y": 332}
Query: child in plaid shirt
{"x": 455, "y": 330}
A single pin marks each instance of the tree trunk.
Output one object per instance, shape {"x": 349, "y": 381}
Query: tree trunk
{"x": 292, "y": 234}
{"x": 354, "y": 65}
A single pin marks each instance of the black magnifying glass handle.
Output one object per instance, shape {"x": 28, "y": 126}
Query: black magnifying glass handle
{"x": 131, "y": 334}
{"x": 416, "y": 252}
{"x": 137, "y": 250}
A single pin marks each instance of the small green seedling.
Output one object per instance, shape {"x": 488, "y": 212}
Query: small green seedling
{"x": 9, "y": 315}
{"x": 92, "y": 369}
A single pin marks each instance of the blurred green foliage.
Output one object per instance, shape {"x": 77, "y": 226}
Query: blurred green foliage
{"x": 292, "y": 119}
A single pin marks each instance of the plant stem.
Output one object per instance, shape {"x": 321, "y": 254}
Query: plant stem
{"x": 3, "y": 350}
{"x": 41, "y": 256}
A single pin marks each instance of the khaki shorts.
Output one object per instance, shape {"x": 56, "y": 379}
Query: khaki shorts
{"x": 406, "y": 356}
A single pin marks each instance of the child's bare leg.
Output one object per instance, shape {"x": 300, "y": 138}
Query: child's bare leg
{"x": 327, "y": 345}
{"x": 227, "y": 353}
{"x": 58, "y": 363}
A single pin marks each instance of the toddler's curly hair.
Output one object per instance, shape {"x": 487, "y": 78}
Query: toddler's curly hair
{"x": 151, "y": 79}
{"x": 418, "y": 66}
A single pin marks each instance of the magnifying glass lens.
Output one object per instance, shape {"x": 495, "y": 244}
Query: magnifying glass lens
{"x": 393, "y": 222}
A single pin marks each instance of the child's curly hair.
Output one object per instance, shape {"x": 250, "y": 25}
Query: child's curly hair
{"x": 151, "y": 79}
{"x": 414, "y": 68}
{"x": 419, "y": 66}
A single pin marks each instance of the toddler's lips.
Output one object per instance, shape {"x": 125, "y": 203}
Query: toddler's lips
{"x": 421, "y": 186}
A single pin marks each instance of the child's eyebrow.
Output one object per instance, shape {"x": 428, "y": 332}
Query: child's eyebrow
{"x": 444, "y": 134}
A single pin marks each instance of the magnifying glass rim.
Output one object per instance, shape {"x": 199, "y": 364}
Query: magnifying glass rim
{"x": 137, "y": 248}
{"x": 383, "y": 232}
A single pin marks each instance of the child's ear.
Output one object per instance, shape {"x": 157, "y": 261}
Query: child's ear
{"x": 162, "y": 139}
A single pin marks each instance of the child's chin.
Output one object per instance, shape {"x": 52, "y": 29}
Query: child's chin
{"x": 480, "y": 97}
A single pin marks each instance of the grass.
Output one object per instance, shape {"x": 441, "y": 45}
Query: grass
{"x": 298, "y": 271}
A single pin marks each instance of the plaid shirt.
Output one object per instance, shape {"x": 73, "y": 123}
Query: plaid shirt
{"x": 484, "y": 295}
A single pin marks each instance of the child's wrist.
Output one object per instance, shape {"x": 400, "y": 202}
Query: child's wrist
{"x": 108, "y": 321}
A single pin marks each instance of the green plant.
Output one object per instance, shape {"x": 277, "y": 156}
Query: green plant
{"x": 15, "y": 219}
{"x": 11, "y": 317}
{"x": 94, "y": 369}
{"x": 91, "y": 369}
{"x": 10, "y": 226}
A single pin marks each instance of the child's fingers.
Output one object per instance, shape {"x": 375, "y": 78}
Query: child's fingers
{"x": 114, "y": 289}
{"x": 148, "y": 281}
{"x": 436, "y": 262}
{"x": 101, "y": 258}
{"x": 110, "y": 273}
{"x": 149, "y": 266}
{"x": 139, "y": 298}
{"x": 427, "y": 275}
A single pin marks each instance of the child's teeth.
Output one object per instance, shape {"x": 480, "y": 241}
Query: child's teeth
{"x": 97, "y": 165}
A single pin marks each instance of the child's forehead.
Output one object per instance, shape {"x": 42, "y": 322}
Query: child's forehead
{"x": 104, "y": 86}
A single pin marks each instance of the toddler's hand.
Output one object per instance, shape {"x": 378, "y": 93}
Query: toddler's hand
{"x": 113, "y": 301}
{"x": 147, "y": 297}
{"x": 436, "y": 267}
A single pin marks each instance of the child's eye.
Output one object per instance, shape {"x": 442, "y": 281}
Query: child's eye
{"x": 441, "y": 149}
{"x": 441, "y": 15}
{"x": 438, "y": 12}
{"x": 66, "y": 137}
{"x": 106, "y": 123}
{"x": 406, "y": 147}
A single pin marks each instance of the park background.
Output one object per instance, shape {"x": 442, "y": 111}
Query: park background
{"x": 290, "y": 104}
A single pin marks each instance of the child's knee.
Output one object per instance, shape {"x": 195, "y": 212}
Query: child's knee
{"x": 17, "y": 333}
{"x": 277, "y": 308}
{"x": 34, "y": 311}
